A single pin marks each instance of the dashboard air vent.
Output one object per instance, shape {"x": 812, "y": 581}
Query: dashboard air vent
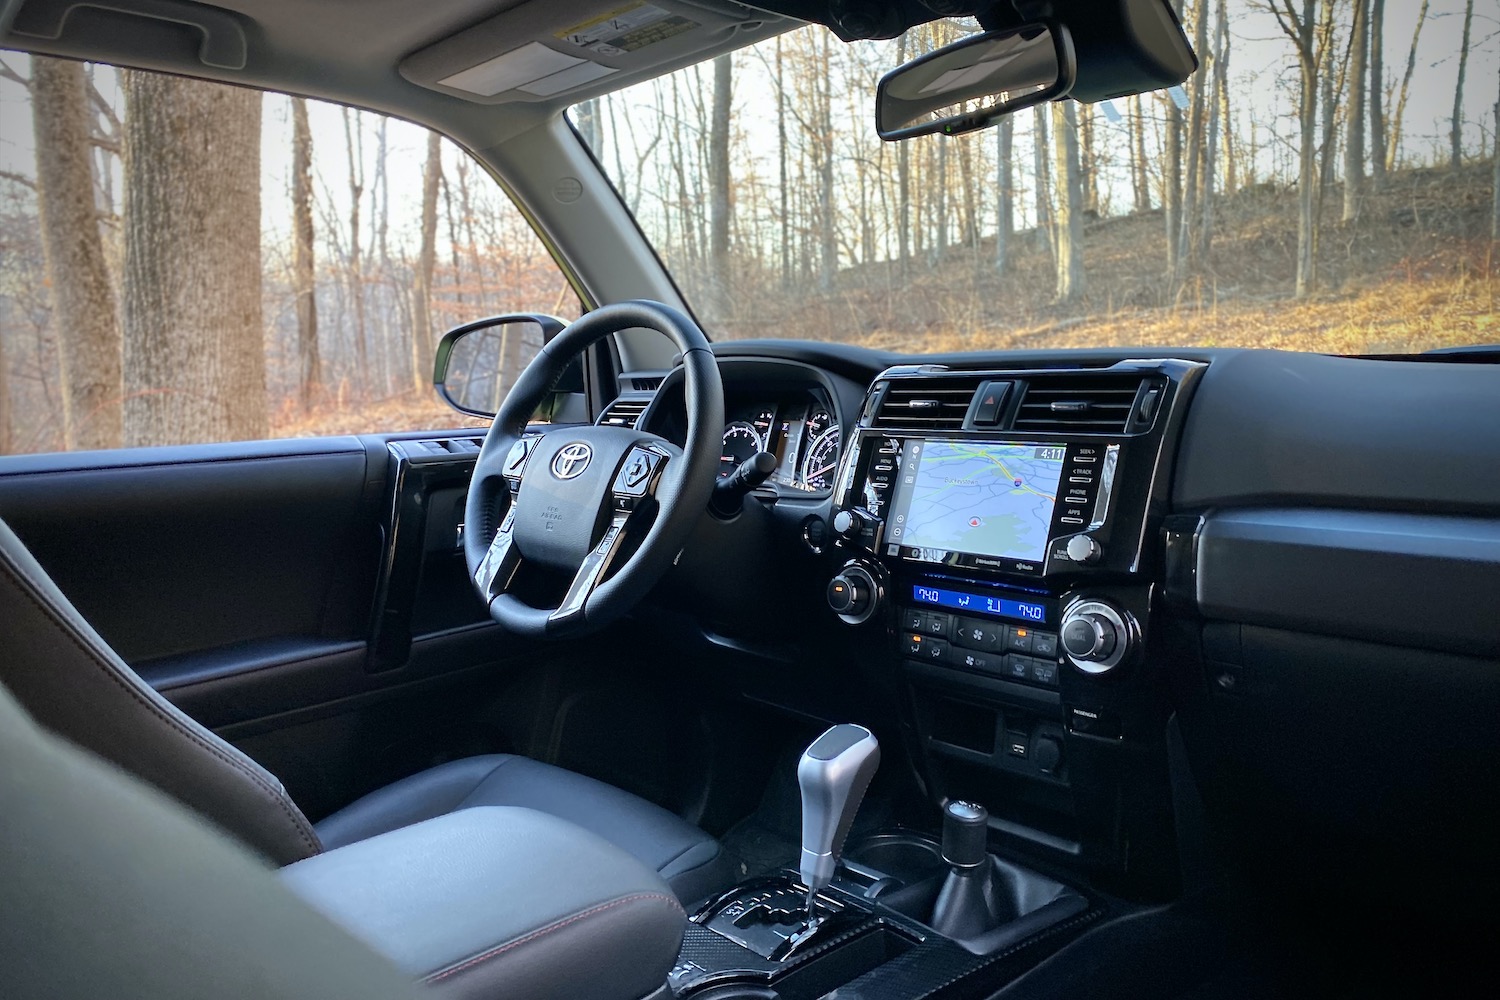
{"x": 624, "y": 412}
{"x": 1098, "y": 404}
{"x": 926, "y": 403}
{"x": 648, "y": 383}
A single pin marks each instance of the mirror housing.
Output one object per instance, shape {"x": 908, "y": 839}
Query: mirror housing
{"x": 469, "y": 370}
{"x": 1001, "y": 72}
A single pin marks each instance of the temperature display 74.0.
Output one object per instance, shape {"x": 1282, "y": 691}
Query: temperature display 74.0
{"x": 958, "y": 600}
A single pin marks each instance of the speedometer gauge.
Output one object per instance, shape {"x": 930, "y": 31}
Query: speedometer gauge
{"x": 822, "y": 461}
{"x": 742, "y": 442}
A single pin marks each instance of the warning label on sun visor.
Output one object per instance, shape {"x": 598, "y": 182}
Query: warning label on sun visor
{"x": 627, "y": 29}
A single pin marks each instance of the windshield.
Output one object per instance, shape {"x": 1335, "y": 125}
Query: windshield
{"x": 1170, "y": 219}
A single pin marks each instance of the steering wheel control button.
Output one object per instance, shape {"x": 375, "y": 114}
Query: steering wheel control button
{"x": 634, "y": 478}
{"x": 515, "y": 459}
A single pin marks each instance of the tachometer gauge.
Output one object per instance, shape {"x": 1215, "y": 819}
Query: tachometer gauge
{"x": 818, "y": 421}
{"x": 822, "y": 461}
{"x": 741, "y": 443}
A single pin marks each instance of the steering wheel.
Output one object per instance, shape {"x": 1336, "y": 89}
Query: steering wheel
{"x": 570, "y": 499}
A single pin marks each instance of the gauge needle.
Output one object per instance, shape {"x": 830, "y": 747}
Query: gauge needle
{"x": 818, "y": 472}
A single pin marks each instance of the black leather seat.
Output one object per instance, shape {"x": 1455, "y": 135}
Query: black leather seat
{"x": 688, "y": 858}
{"x": 69, "y": 679}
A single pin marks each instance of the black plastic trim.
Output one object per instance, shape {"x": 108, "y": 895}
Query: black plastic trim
{"x": 1420, "y": 580}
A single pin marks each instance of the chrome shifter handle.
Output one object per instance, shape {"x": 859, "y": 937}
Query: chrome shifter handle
{"x": 834, "y": 773}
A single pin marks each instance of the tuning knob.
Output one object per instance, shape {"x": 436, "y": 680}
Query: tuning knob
{"x": 1085, "y": 550}
{"x": 853, "y": 594}
{"x": 1094, "y": 636}
{"x": 850, "y": 524}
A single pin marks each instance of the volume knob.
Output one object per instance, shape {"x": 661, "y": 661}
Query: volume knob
{"x": 1085, "y": 550}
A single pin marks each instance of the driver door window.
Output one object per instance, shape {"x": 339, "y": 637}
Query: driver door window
{"x": 290, "y": 278}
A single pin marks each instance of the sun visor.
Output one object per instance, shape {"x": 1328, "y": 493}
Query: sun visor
{"x": 539, "y": 51}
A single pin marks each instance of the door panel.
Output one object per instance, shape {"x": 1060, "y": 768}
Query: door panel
{"x": 246, "y": 582}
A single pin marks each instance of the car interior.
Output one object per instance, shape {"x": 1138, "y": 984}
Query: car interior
{"x": 662, "y": 685}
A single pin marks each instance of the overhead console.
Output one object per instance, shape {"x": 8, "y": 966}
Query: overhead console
{"x": 999, "y": 529}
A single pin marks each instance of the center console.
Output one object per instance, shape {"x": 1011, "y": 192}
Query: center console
{"x": 999, "y": 535}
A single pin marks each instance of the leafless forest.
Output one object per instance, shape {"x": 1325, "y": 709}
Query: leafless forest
{"x": 156, "y": 290}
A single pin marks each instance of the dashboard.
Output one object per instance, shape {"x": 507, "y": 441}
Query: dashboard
{"x": 1047, "y": 560}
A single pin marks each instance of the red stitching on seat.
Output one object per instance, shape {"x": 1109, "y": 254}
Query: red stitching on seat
{"x": 494, "y": 952}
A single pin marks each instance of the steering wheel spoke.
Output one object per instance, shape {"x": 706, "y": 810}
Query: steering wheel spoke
{"x": 501, "y": 561}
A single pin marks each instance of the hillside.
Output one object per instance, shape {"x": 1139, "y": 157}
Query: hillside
{"x": 1416, "y": 271}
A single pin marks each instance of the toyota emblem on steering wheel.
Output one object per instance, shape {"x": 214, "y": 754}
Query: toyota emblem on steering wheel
{"x": 570, "y": 462}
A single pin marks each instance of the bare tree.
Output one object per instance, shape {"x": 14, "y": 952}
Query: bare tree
{"x": 718, "y": 182}
{"x": 1005, "y": 190}
{"x": 83, "y": 305}
{"x": 422, "y": 339}
{"x": 1069, "y": 226}
{"x": 1354, "y": 142}
{"x": 1378, "y": 140}
{"x": 1171, "y": 183}
{"x": 1140, "y": 175}
{"x": 194, "y": 357}
{"x": 304, "y": 270}
{"x": 1495, "y": 186}
{"x": 1302, "y": 28}
{"x": 1394, "y": 149}
{"x": 1197, "y": 120}
{"x": 354, "y": 145}
{"x": 1041, "y": 176}
{"x": 1456, "y": 131}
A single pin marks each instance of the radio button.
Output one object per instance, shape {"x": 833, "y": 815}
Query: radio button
{"x": 1019, "y": 640}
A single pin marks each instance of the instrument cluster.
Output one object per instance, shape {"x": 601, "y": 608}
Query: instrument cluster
{"x": 798, "y": 427}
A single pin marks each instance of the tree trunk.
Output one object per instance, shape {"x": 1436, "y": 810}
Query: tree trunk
{"x": 1377, "y": 94}
{"x": 1005, "y": 195}
{"x": 1394, "y": 149}
{"x": 1089, "y": 165}
{"x": 1203, "y": 234}
{"x": 1494, "y": 188}
{"x": 1197, "y": 115}
{"x": 828, "y": 235}
{"x": 1139, "y": 166}
{"x": 784, "y": 189}
{"x": 354, "y": 143}
{"x": 1041, "y": 174}
{"x": 422, "y": 338}
{"x": 83, "y": 305}
{"x": 194, "y": 352}
{"x": 1069, "y": 203}
{"x": 1171, "y": 182}
{"x": 1354, "y": 143}
{"x": 1307, "y": 178}
{"x": 718, "y": 184}
{"x": 304, "y": 271}
{"x": 1456, "y": 131}
{"x": 940, "y": 189}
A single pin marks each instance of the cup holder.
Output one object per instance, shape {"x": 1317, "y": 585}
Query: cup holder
{"x": 905, "y": 857}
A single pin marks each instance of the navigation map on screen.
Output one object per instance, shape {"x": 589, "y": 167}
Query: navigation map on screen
{"x": 979, "y": 497}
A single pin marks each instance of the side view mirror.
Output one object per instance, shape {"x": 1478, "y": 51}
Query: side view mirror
{"x": 972, "y": 83}
{"x": 477, "y": 362}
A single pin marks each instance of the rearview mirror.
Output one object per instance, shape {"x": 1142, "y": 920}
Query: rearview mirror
{"x": 972, "y": 83}
{"x": 478, "y": 362}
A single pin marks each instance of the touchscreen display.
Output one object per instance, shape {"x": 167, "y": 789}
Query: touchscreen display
{"x": 980, "y": 497}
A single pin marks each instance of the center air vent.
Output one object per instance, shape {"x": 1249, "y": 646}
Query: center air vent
{"x": 624, "y": 412}
{"x": 1099, "y": 404}
{"x": 926, "y": 403}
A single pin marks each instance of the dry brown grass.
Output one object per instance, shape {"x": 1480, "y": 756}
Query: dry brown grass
{"x": 408, "y": 412}
{"x": 1394, "y": 317}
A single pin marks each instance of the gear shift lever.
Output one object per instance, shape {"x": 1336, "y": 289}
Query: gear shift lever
{"x": 834, "y": 773}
